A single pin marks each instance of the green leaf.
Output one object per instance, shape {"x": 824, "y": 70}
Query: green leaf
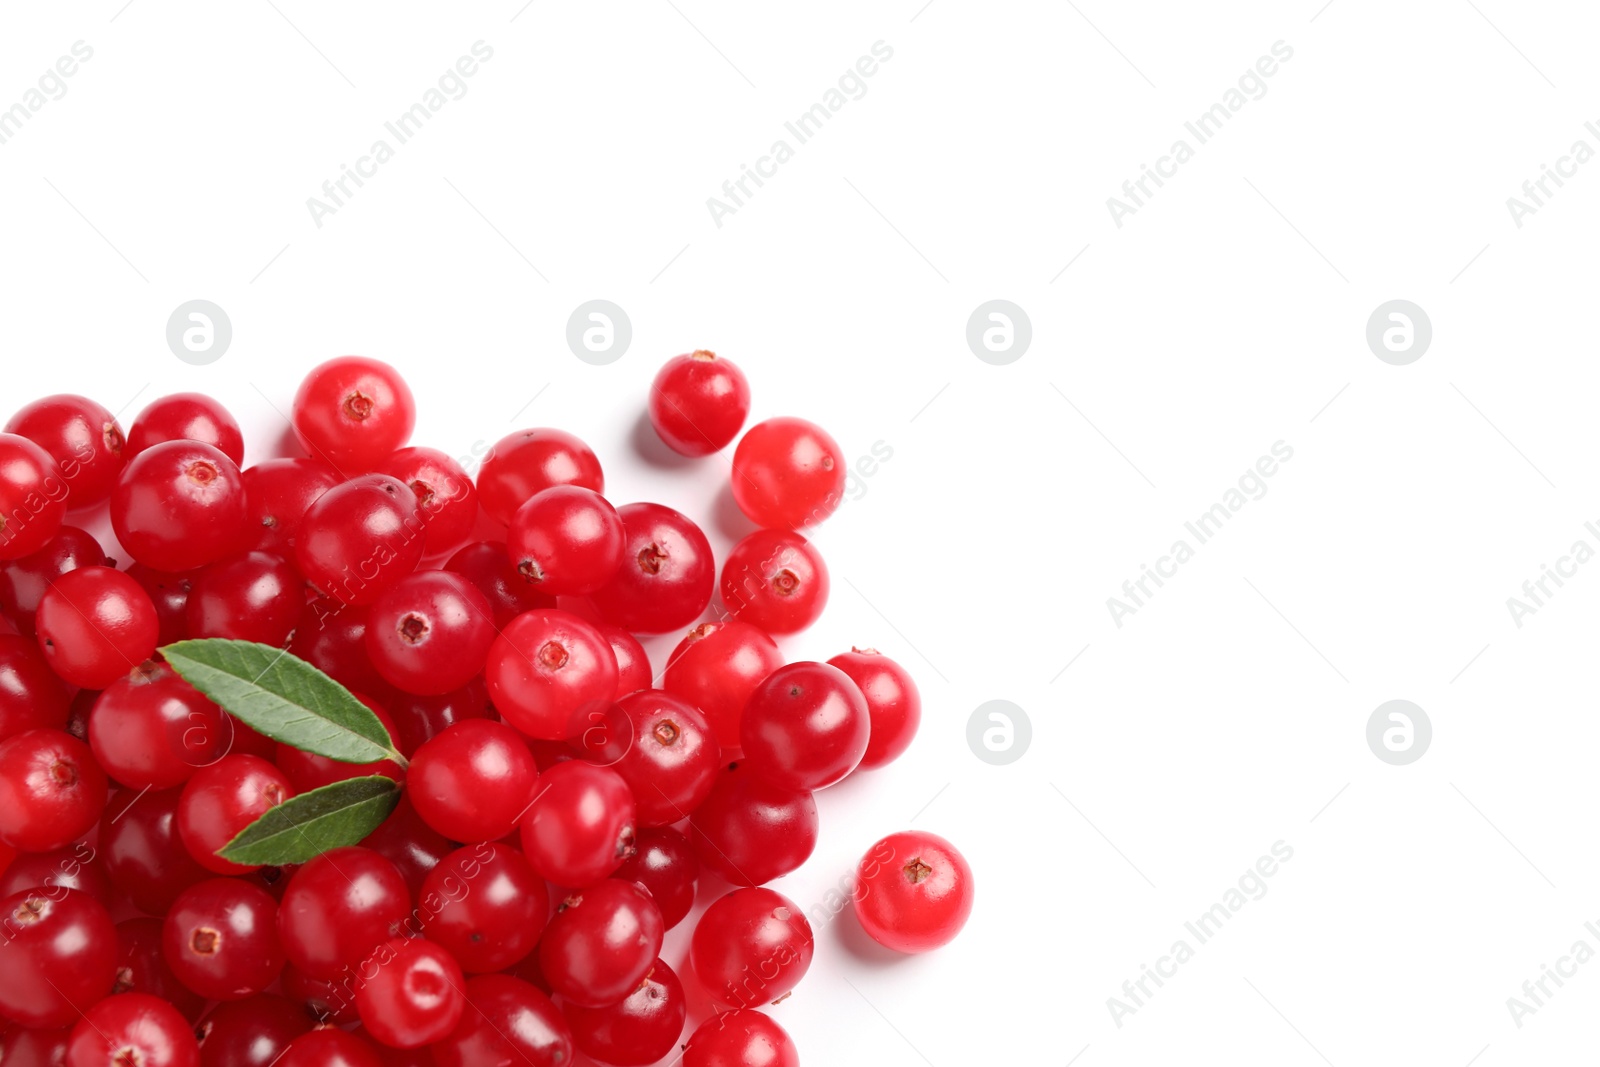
{"x": 284, "y": 697}
{"x": 308, "y": 825}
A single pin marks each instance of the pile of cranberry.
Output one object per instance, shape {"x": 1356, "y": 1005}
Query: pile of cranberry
{"x": 560, "y": 800}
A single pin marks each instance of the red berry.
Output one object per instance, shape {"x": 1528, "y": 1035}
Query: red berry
{"x": 698, "y": 403}
{"x": 58, "y": 951}
{"x": 359, "y": 538}
{"x": 257, "y": 596}
{"x": 222, "y": 799}
{"x": 95, "y": 625}
{"x": 788, "y": 473}
{"x": 33, "y": 496}
{"x": 893, "y": 703}
{"x": 24, "y": 582}
{"x": 179, "y": 505}
{"x": 666, "y": 576}
{"x": 143, "y": 854}
{"x": 329, "y": 1048}
{"x": 486, "y": 565}
{"x": 565, "y": 541}
{"x": 337, "y": 908}
{"x": 717, "y": 667}
{"x": 913, "y": 891}
{"x": 186, "y": 417}
{"x": 151, "y": 729}
{"x": 51, "y": 790}
{"x": 221, "y": 939}
{"x": 307, "y": 771}
{"x": 414, "y": 847}
{"x": 750, "y": 830}
{"x": 142, "y": 968}
{"x": 664, "y": 864}
{"x": 430, "y": 633}
{"x": 277, "y": 495}
{"x": 332, "y": 637}
{"x": 581, "y": 824}
{"x": 601, "y": 943}
{"x": 740, "y": 1038}
{"x": 135, "y": 1029}
{"x": 751, "y": 947}
{"x": 419, "y": 719}
{"x": 250, "y": 1033}
{"x": 633, "y": 664}
{"x": 665, "y": 752}
{"x": 351, "y": 412}
{"x": 775, "y": 579}
{"x": 72, "y": 867}
{"x": 508, "y": 1023}
{"x": 522, "y": 463}
{"x": 330, "y": 1002}
{"x": 806, "y": 726}
{"x": 447, "y": 502}
{"x": 31, "y": 696}
{"x": 81, "y": 436}
{"x": 547, "y": 670}
{"x": 21, "y": 1047}
{"x": 638, "y": 1030}
{"x": 410, "y": 993}
{"x": 486, "y": 906}
{"x": 169, "y": 593}
{"x": 473, "y": 781}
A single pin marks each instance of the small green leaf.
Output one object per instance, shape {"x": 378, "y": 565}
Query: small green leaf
{"x": 308, "y": 825}
{"x": 284, "y": 697}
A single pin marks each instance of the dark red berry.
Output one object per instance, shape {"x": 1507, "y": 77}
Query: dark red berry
{"x": 33, "y": 497}
{"x": 751, "y": 830}
{"x": 221, "y": 939}
{"x": 277, "y": 495}
{"x": 638, "y": 1030}
{"x": 806, "y": 726}
{"x": 507, "y": 1022}
{"x": 580, "y": 825}
{"x": 447, "y": 502}
{"x": 222, "y": 799}
{"x": 411, "y": 993}
{"x": 24, "y": 582}
{"x": 601, "y": 943}
{"x": 666, "y": 576}
{"x": 359, "y": 538}
{"x": 485, "y": 905}
{"x": 81, "y": 436}
{"x": 58, "y": 950}
{"x": 337, "y": 907}
{"x": 133, "y": 1030}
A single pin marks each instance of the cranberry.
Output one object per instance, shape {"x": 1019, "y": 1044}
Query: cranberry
{"x": 179, "y": 505}
{"x": 717, "y": 667}
{"x": 351, "y": 412}
{"x": 329, "y": 1048}
{"x": 430, "y": 633}
{"x": 150, "y": 729}
{"x": 473, "y": 781}
{"x": 775, "y": 579}
{"x": 330, "y": 1002}
{"x": 257, "y": 596}
{"x": 410, "y": 993}
{"x": 307, "y": 770}
{"x": 893, "y": 703}
{"x": 419, "y": 719}
{"x": 547, "y": 669}
{"x": 507, "y": 1022}
{"x": 142, "y": 968}
{"x": 33, "y": 497}
{"x": 638, "y": 1030}
{"x": 31, "y": 696}
{"x": 698, "y": 403}
{"x": 72, "y": 867}
{"x": 913, "y": 891}
{"x": 95, "y": 625}
{"x": 565, "y": 540}
{"x": 221, "y": 939}
{"x": 133, "y": 1028}
{"x": 58, "y": 950}
{"x": 169, "y": 593}
{"x": 338, "y": 907}
{"x": 580, "y": 826}
{"x": 447, "y": 502}
{"x": 414, "y": 847}
{"x": 665, "y": 752}
{"x": 664, "y": 864}
{"x": 740, "y": 1038}
{"x": 486, "y": 906}
{"x": 81, "y": 436}
{"x": 143, "y": 854}
{"x": 750, "y": 830}
{"x": 24, "y": 582}
{"x": 486, "y": 565}
{"x": 360, "y": 538}
{"x": 806, "y": 726}
{"x": 250, "y": 1033}
{"x": 51, "y": 790}
{"x": 788, "y": 473}
{"x": 21, "y": 1047}
{"x": 751, "y": 947}
{"x": 277, "y": 495}
{"x": 222, "y": 799}
{"x": 601, "y": 943}
{"x": 522, "y": 463}
{"x": 666, "y": 576}
{"x": 332, "y": 637}
{"x": 633, "y": 664}
{"x": 186, "y": 417}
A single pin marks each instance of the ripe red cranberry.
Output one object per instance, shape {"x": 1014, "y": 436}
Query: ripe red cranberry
{"x": 328, "y": 1002}
{"x": 485, "y": 905}
{"x": 410, "y": 994}
{"x": 565, "y": 540}
{"x": 740, "y": 1038}
{"x": 473, "y": 781}
{"x": 31, "y": 696}
{"x": 257, "y": 596}
{"x": 221, "y": 939}
{"x": 430, "y": 633}
{"x": 788, "y": 473}
{"x": 81, "y": 436}
{"x": 222, "y": 799}
{"x": 750, "y": 830}
{"x": 330, "y": 1048}
{"x": 20, "y": 1047}
{"x": 414, "y": 847}
{"x": 351, "y": 412}
{"x": 277, "y": 494}
{"x": 24, "y": 582}
{"x": 179, "y": 505}
{"x": 95, "y": 625}
{"x": 51, "y": 790}
{"x": 666, "y": 576}
{"x": 143, "y": 854}
{"x": 717, "y": 667}
{"x": 169, "y": 593}
{"x": 698, "y": 403}
{"x": 913, "y": 891}
{"x": 150, "y": 729}
{"x": 663, "y": 862}
{"x": 581, "y": 824}
{"x": 186, "y": 417}
{"x": 142, "y": 968}
{"x": 359, "y": 538}
{"x": 419, "y": 719}
{"x": 663, "y": 749}
{"x": 486, "y": 565}
{"x": 250, "y": 1033}
{"x": 775, "y": 579}
{"x": 752, "y": 947}
{"x": 59, "y": 950}
{"x": 507, "y": 1021}
{"x": 307, "y": 771}
{"x": 547, "y": 669}
{"x": 332, "y": 637}
{"x": 133, "y": 1028}
{"x": 447, "y": 501}
{"x": 75, "y": 866}
{"x": 806, "y": 726}
{"x": 893, "y": 703}
{"x": 638, "y": 1030}
{"x": 522, "y": 463}
{"x": 633, "y": 664}
{"x": 601, "y": 943}
{"x": 338, "y": 907}
{"x": 33, "y": 497}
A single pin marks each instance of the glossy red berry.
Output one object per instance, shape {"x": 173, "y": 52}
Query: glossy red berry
{"x": 351, "y": 412}
{"x": 565, "y": 541}
{"x": 740, "y": 1038}
{"x": 893, "y": 703}
{"x": 547, "y": 669}
{"x": 633, "y": 663}
{"x": 51, "y": 790}
{"x": 806, "y": 726}
{"x": 418, "y": 719}
{"x": 277, "y": 494}
{"x": 486, "y": 565}
{"x": 329, "y": 1048}
{"x": 601, "y": 943}
{"x": 522, "y": 463}
{"x": 24, "y": 582}
{"x": 307, "y": 770}
{"x": 81, "y": 436}
{"x": 222, "y": 799}
{"x": 59, "y": 951}
{"x": 332, "y": 637}
{"x": 788, "y": 473}
{"x": 33, "y": 497}
{"x": 775, "y": 579}
{"x": 326, "y": 1001}
{"x": 666, "y": 576}
{"x": 21, "y": 1047}
{"x": 750, "y": 948}
{"x": 411, "y": 993}
{"x": 75, "y": 866}
{"x": 221, "y": 939}
{"x": 698, "y": 403}
{"x": 716, "y": 668}
{"x": 447, "y": 501}
{"x": 360, "y": 538}
{"x": 581, "y": 824}
{"x": 474, "y": 781}
{"x": 31, "y": 696}
{"x": 143, "y": 854}
{"x": 508, "y": 1023}
{"x": 430, "y": 633}
{"x": 186, "y": 417}
{"x": 150, "y": 729}
{"x": 338, "y": 907}
{"x": 638, "y": 1030}
{"x": 169, "y": 593}
{"x": 133, "y": 1028}
{"x": 257, "y": 596}
{"x": 485, "y": 905}
{"x": 665, "y": 751}
{"x": 751, "y": 830}
{"x": 414, "y": 847}
{"x": 142, "y": 968}
{"x": 664, "y": 864}
{"x": 179, "y": 505}
{"x": 250, "y": 1033}
{"x": 95, "y": 625}
{"x": 914, "y": 891}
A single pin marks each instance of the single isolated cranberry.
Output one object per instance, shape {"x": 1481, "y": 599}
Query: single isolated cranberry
{"x": 507, "y": 1021}
{"x": 666, "y": 576}
{"x": 95, "y": 625}
{"x": 473, "y": 781}
{"x": 221, "y": 939}
{"x": 410, "y": 993}
{"x": 257, "y": 596}
{"x": 547, "y": 670}
{"x": 716, "y": 668}
{"x": 250, "y": 1033}
{"x": 31, "y": 696}
{"x": 51, "y": 790}
{"x": 806, "y": 726}
{"x": 663, "y": 749}
{"x": 142, "y": 968}
{"x": 750, "y": 830}
{"x": 893, "y": 703}
{"x": 698, "y": 403}
{"x": 359, "y": 538}
{"x": 143, "y": 854}
{"x": 133, "y": 1028}
{"x": 338, "y": 907}
{"x": 743, "y": 1037}
{"x": 447, "y": 502}
{"x": 75, "y": 866}
{"x": 24, "y": 582}
{"x": 565, "y": 540}
{"x": 638, "y": 1030}
{"x": 581, "y": 824}
{"x": 913, "y": 891}
{"x": 663, "y": 862}
{"x": 326, "y": 1047}
{"x": 33, "y": 497}
{"x": 351, "y": 412}
{"x": 601, "y": 943}
{"x": 222, "y": 799}
{"x": 414, "y": 847}
{"x": 186, "y": 417}
{"x": 430, "y": 633}
{"x": 752, "y": 947}
{"x": 169, "y": 593}
{"x": 307, "y": 770}
{"x": 179, "y": 505}
{"x": 277, "y": 494}
{"x": 775, "y": 579}
{"x": 59, "y": 951}
{"x": 788, "y": 473}
{"x": 485, "y": 905}
{"x": 81, "y": 436}
{"x": 486, "y": 565}
{"x": 150, "y": 729}
{"x": 522, "y": 463}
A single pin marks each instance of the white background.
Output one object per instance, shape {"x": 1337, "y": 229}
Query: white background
{"x": 1226, "y": 315}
